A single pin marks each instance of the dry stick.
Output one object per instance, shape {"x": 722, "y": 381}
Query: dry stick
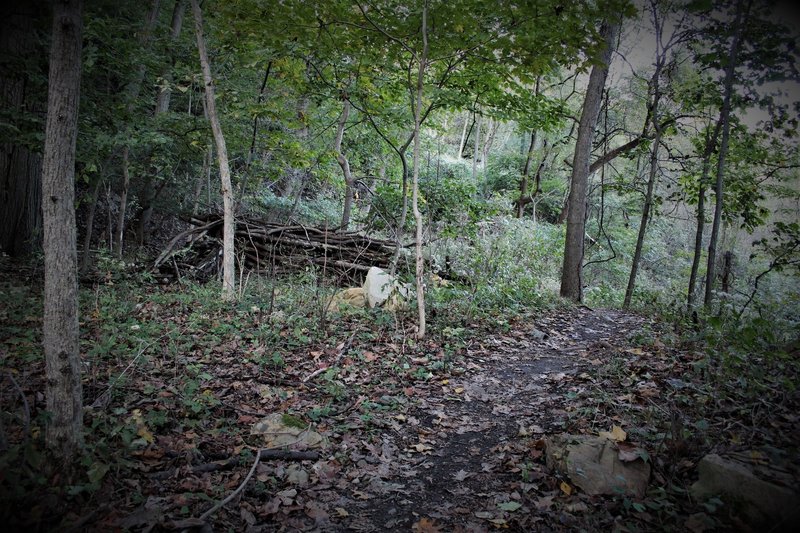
{"x": 25, "y": 406}
{"x": 342, "y": 351}
{"x": 235, "y": 493}
{"x": 98, "y": 402}
{"x": 242, "y": 485}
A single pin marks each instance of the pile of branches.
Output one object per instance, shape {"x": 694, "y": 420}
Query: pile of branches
{"x": 269, "y": 247}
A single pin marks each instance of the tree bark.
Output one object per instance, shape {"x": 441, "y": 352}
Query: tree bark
{"x": 419, "y": 259}
{"x": 463, "y": 137}
{"x": 133, "y": 89}
{"x": 523, "y": 182}
{"x": 20, "y": 164}
{"x": 344, "y": 163}
{"x": 477, "y": 148}
{"x": 571, "y": 273}
{"x": 653, "y": 113}
{"x": 149, "y": 193}
{"x": 710, "y": 145}
{"x": 228, "y": 226}
{"x": 64, "y": 431}
{"x": 719, "y": 188}
{"x": 648, "y": 205}
{"x": 87, "y": 239}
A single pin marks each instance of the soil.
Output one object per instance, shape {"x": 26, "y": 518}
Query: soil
{"x": 477, "y": 430}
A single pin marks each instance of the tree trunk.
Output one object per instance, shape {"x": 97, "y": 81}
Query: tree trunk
{"x": 477, "y": 148}
{"x": 648, "y": 205}
{"x": 487, "y": 145}
{"x": 523, "y": 182}
{"x": 344, "y": 163}
{"x": 653, "y": 113}
{"x": 463, "y": 137}
{"x": 64, "y": 432}
{"x": 132, "y": 90}
{"x": 228, "y": 226}
{"x": 123, "y": 200}
{"x": 571, "y": 273}
{"x": 419, "y": 260}
{"x": 20, "y": 165}
{"x": 710, "y": 145}
{"x": 87, "y": 239}
{"x": 730, "y": 73}
{"x": 205, "y": 176}
{"x": 162, "y": 106}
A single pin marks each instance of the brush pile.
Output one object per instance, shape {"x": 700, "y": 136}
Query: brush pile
{"x": 268, "y": 247}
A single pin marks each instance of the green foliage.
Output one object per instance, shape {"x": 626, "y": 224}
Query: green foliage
{"x": 510, "y": 265}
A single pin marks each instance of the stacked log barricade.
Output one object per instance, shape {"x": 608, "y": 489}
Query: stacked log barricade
{"x": 268, "y": 247}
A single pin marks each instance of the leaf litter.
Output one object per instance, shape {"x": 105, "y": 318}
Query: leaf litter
{"x": 407, "y": 437}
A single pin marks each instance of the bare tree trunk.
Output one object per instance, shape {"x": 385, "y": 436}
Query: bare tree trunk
{"x": 64, "y": 431}
{"x": 419, "y": 259}
{"x": 228, "y": 225}
{"x": 463, "y": 136}
{"x": 205, "y": 176}
{"x": 487, "y": 145}
{"x": 571, "y": 274}
{"x": 162, "y": 106}
{"x": 648, "y": 205}
{"x": 477, "y": 148}
{"x": 133, "y": 89}
{"x": 20, "y": 166}
{"x": 710, "y": 145}
{"x": 87, "y": 239}
{"x": 123, "y": 200}
{"x": 344, "y": 163}
{"x": 730, "y": 73}
{"x": 653, "y": 113}
{"x": 523, "y": 182}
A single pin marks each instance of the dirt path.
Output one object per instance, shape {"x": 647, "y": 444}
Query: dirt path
{"x": 467, "y": 457}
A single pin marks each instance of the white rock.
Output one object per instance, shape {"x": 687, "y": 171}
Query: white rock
{"x": 382, "y": 289}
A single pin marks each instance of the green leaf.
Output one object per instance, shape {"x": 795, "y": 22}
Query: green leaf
{"x": 509, "y": 506}
{"x": 97, "y": 471}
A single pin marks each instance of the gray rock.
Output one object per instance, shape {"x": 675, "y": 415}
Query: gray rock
{"x": 763, "y": 503}
{"x": 593, "y": 465}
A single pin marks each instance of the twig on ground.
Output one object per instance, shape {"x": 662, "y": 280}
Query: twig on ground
{"x": 236, "y": 492}
{"x": 342, "y": 350}
{"x": 25, "y": 406}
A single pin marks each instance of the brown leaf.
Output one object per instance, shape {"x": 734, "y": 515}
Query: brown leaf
{"x": 616, "y": 434}
{"x": 426, "y": 525}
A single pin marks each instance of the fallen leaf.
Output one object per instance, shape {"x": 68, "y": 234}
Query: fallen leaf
{"x": 616, "y": 434}
{"x": 461, "y": 475}
{"x": 509, "y": 506}
{"x": 565, "y": 488}
{"x": 629, "y": 452}
{"x": 544, "y": 503}
{"x": 577, "y": 507}
{"x": 484, "y": 514}
{"x": 426, "y": 525}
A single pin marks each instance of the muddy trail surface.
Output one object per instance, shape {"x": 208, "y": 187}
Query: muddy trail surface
{"x": 470, "y": 457}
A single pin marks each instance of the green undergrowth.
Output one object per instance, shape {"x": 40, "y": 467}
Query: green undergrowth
{"x": 162, "y": 362}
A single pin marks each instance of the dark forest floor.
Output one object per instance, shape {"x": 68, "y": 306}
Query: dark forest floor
{"x": 444, "y": 434}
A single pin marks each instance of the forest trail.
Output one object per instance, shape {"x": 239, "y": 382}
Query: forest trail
{"x": 470, "y": 461}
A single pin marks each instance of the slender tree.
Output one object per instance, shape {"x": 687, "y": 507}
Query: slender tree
{"x": 419, "y": 259}
{"x": 344, "y": 163}
{"x": 654, "y": 113}
{"x": 228, "y": 225}
{"x": 742, "y": 7}
{"x": 61, "y": 340}
{"x": 133, "y": 89}
{"x": 571, "y": 273}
